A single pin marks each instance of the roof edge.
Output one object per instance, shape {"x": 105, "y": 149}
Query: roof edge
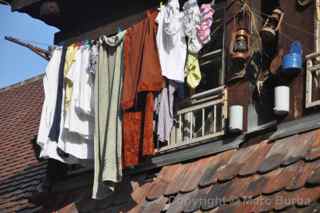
{"x": 22, "y": 83}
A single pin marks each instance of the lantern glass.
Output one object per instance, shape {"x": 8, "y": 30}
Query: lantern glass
{"x": 241, "y": 44}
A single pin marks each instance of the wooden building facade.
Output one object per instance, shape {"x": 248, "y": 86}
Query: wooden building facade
{"x": 213, "y": 161}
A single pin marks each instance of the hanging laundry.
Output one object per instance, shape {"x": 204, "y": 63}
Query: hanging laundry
{"x": 76, "y": 129}
{"x": 191, "y": 22}
{"x": 50, "y": 84}
{"x": 55, "y": 127}
{"x": 108, "y": 116}
{"x": 204, "y": 30}
{"x": 193, "y": 72}
{"x": 84, "y": 98}
{"x": 94, "y": 55}
{"x": 171, "y": 41}
{"x": 164, "y": 109}
{"x": 70, "y": 59}
{"x": 142, "y": 77}
{"x": 79, "y": 112}
{"x": 197, "y": 26}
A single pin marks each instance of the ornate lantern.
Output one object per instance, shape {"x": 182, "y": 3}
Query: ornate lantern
{"x": 272, "y": 26}
{"x": 240, "y": 45}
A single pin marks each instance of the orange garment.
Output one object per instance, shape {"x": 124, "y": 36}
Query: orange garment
{"x": 142, "y": 77}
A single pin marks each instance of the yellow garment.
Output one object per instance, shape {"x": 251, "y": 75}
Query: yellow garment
{"x": 70, "y": 59}
{"x": 193, "y": 71}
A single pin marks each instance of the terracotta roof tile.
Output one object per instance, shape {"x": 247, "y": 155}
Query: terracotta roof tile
{"x": 281, "y": 201}
{"x": 314, "y": 180}
{"x": 303, "y": 173}
{"x": 305, "y": 196}
{"x": 209, "y": 176}
{"x": 140, "y": 193}
{"x": 180, "y": 201}
{"x": 231, "y": 169}
{"x": 276, "y": 155}
{"x": 181, "y": 175}
{"x": 166, "y": 176}
{"x": 314, "y": 207}
{"x": 215, "y": 196}
{"x": 154, "y": 206}
{"x": 283, "y": 177}
{"x": 255, "y": 160}
{"x": 314, "y": 152}
{"x": 262, "y": 203}
{"x": 254, "y": 188}
{"x": 299, "y": 146}
{"x": 192, "y": 180}
{"x": 20, "y": 109}
{"x": 156, "y": 190}
{"x": 197, "y": 200}
{"x": 238, "y": 187}
{"x": 239, "y": 207}
{"x": 262, "y": 177}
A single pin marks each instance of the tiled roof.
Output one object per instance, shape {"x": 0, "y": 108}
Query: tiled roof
{"x": 282, "y": 175}
{"x": 20, "y": 171}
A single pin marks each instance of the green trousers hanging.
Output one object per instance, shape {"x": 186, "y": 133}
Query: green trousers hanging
{"x": 108, "y": 118}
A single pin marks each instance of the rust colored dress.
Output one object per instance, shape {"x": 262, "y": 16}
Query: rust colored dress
{"x": 142, "y": 77}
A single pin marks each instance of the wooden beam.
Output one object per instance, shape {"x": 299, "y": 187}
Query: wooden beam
{"x": 106, "y": 29}
{"x": 37, "y": 50}
{"x": 22, "y": 4}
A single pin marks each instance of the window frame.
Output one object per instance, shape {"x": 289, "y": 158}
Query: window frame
{"x": 198, "y": 101}
{"x": 313, "y": 62}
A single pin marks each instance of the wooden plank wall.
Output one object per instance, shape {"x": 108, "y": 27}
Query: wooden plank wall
{"x": 304, "y": 19}
{"x": 241, "y": 90}
{"x": 298, "y": 26}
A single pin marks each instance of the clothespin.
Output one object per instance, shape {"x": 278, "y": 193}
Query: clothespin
{"x": 87, "y": 43}
{"x": 119, "y": 29}
{"x": 161, "y": 3}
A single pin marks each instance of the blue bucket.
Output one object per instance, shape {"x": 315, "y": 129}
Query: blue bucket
{"x": 296, "y": 48}
{"x": 293, "y": 60}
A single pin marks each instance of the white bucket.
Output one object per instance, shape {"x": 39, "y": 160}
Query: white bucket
{"x": 236, "y": 118}
{"x": 281, "y": 100}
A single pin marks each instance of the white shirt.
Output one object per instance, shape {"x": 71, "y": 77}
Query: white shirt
{"x": 50, "y": 84}
{"x": 76, "y": 118}
{"x": 191, "y": 21}
{"x": 171, "y": 41}
{"x": 84, "y": 100}
{"x": 76, "y": 128}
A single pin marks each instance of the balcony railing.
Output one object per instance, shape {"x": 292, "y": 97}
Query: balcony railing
{"x": 313, "y": 80}
{"x": 199, "y": 119}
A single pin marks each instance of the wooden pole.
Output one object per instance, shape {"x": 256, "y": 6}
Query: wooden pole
{"x": 39, "y": 51}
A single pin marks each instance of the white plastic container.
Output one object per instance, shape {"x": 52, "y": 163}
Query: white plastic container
{"x": 236, "y": 118}
{"x": 281, "y": 100}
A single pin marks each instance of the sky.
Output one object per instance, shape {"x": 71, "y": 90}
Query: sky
{"x": 19, "y": 63}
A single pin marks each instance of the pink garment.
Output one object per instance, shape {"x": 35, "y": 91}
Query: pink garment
{"x": 203, "y": 31}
